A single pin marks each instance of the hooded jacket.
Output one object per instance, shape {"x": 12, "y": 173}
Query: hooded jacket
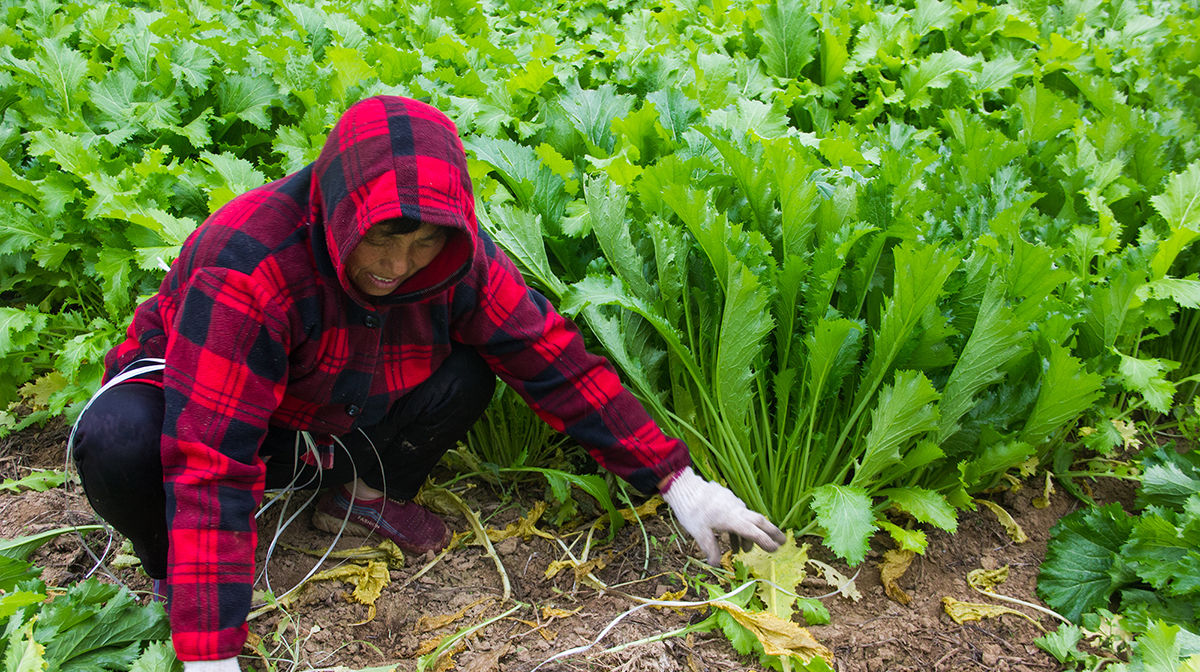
{"x": 260, "y": 326}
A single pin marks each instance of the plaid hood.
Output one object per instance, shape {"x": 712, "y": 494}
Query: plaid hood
{"x": 394, "y": 158}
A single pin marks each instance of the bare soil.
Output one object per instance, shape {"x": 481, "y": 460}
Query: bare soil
{"x": 430, "y": 599}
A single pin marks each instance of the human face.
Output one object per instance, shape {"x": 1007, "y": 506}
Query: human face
{"x": 383, "y": 261}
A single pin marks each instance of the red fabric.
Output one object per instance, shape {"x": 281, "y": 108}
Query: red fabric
{"x": 260, "y": 326}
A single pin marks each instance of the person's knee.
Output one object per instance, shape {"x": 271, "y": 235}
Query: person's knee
{"x": 122, "y": 428}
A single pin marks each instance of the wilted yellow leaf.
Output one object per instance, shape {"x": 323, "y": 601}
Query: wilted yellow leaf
{"x": 1128, "y": 432}
{"x": 368, "y": 580}
{"x": 961, "y": 612}
{"x": 647, "y": 509}
{"x": 524, "y": 527}
{"x": 429, "y": 623}
{"x": 1043, "y": 500}
{"x": 1010, "y": 526}
{"x": 783, "y": 568}
{"x": 386, "y": 550}
{"x": 837, "y": 580}
{"x": 581, "y": 569}
{"x": 540, "y": 628}
{"x": 37, "y": 393}
{"x": 551, "y": 612}
{"x": 895, "y": 564}
{"x": 778, "y": 637}
{"x": 986, "y": 580}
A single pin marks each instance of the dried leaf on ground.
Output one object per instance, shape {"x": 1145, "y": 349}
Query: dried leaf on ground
{"x": 961, "y": 612}
{"x": 836, "y": 579}
{"x": 368, "y": 580}
{"x": 487, "y": 662}
{"x": 778, "y": 637}
{"x": 386, "y": 550}
{"x": 1010, "y": 526}
{"x": 986, "y": 580}
{"x": 895, "y": 564}
{"x": 524, "y": 528}
{"x": 430, "y": 623}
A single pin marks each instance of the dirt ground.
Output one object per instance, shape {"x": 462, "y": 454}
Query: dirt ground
{"x": 430, "y": 598}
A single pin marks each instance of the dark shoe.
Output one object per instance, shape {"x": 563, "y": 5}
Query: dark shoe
{"x": 413, "y": 528}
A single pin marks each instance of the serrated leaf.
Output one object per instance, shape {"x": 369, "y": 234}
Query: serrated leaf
{"x": 1148, "y": 378}
{"x": 904, "y": 410}
{"x": 789, "y": 35}
{"x": 1011, "y": 526}
{"x": 925, "y": 505}
{"x": 246, "y": 97}
{"x": 1179, "y": 203}
{"x": 932, "y": 72}
{"x": 62, "y": 69}
{"x": 844, "y": 512}
{"x": 783, "y": 568}
{"x": 1077, "y": 574}
{"x": 1067, "y": 389}
{"x": 777, "y": 636}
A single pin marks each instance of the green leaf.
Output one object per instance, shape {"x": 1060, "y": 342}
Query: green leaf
{"x": 1179, "y": 203}
{"x": 932, "y": 72}
{"x": 994, "y": 342}
{"x": 745, "y": 323}
{"x": 1066, "y": 391}
{"x": 844, "y": 512}
{"x": 607, "y": 204}
{"x": 519, "y": 232}
{"x": 247, "y": 97}
{"x": 21, "y": 547}
{"x": 232, "y": 175}
{"x": 789, "y": 35}
{"x": 905, "y": 409}
{"x": 38, "y": 481}
{"x": 592, "y": 111}
{"x": 926, "y": 506}
{"x": 1164, "y": 555}
{"x": 1062, "y": 642}
{"x": 1078, "y": 572}
{"x": 1148, "y": 378}
{"x": 62, "y": 69}
{"x": 158, "y": 657}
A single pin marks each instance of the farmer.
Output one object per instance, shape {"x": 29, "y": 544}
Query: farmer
{"x": 342, "y": 328}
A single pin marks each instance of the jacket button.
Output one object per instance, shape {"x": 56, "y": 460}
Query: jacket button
{"x": 371, "y": 320}
{"x": 352, "y": 410}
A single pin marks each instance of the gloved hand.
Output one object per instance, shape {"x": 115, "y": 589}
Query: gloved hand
{"x": 226, "y": 665}
{"x": 705, "y": 508}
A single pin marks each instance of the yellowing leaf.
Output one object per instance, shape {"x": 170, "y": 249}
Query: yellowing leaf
{"x": 783, "y": 568}
{"x": 836, "y": 579}
{"x": 895, "y": 564}
{"x": 961, "y": 612}
{"x": 368, "y": 580}
{"x": 1128, "y": 433}
{"x": 37, "y": 393}
{"x": 386, "y": 550}
{"x": 581, "y": 569}
{"x": 1010, "y": 526}
{"x": 778, "y": 637}
{"x": 647, "y": 509}
{"x": 524, "y": 527}
{"x": 986, "y": 580}
{"x": 1043, "y": 500}
{"x": 430, "y": 623}
{"x": 551, "y": 612}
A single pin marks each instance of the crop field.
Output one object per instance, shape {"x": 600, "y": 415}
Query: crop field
{"x": 919, "y": 281}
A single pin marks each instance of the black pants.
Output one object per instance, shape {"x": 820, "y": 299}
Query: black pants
{"x": 117, "y": 449}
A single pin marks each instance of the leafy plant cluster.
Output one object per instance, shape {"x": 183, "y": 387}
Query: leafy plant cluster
{"x": 864, "y": 257}
{"x": 1130, "y": 581}
{"x": 88, "y": 627}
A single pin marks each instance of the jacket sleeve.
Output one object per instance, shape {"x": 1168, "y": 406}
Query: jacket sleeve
{"x": 541, "y": 355}
{"x": 225, "y": 374}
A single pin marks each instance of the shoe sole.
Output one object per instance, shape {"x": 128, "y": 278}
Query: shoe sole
{"x": 333, "y": 524}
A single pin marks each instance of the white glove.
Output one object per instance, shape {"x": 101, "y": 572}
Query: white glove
{"x": 226, "y": 665}
{"x": 704, "y": 508}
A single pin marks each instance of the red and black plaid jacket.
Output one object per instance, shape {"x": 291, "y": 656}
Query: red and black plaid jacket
{"x": 259, "y": 325}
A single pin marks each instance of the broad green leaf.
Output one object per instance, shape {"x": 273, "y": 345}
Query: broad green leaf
{"x": 232, "y": 175}
{"x": 1164, "y": 555}
{"x": 62, "y": 69}
{"x": 994, "y": 342}
{"x": 844, "y": 512}
{"x": 932, "y": 72}
{"x": 519, "y": 232}
{"x": 1148, "y": 377}
{"x": 781, "y": 570}
{"x": 247, "y": 97}
{"x": 745, "y": 323}
{"x": 905, "y": 410}
{"x": 1179, "y": 204}
{"x": 1184, "y": 291}
{"x": 607, "y": 204}
{"x": 1066, "y": 390}
{"x": 789, "y": 34}
{"x": 926, "y": 506}
{"x": 1078, "y": 572}
{"x": 592, "y": 111}
{"x": 833, "y": 347}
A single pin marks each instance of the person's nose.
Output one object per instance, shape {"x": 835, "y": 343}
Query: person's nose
{"x": 397, "y": 265}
